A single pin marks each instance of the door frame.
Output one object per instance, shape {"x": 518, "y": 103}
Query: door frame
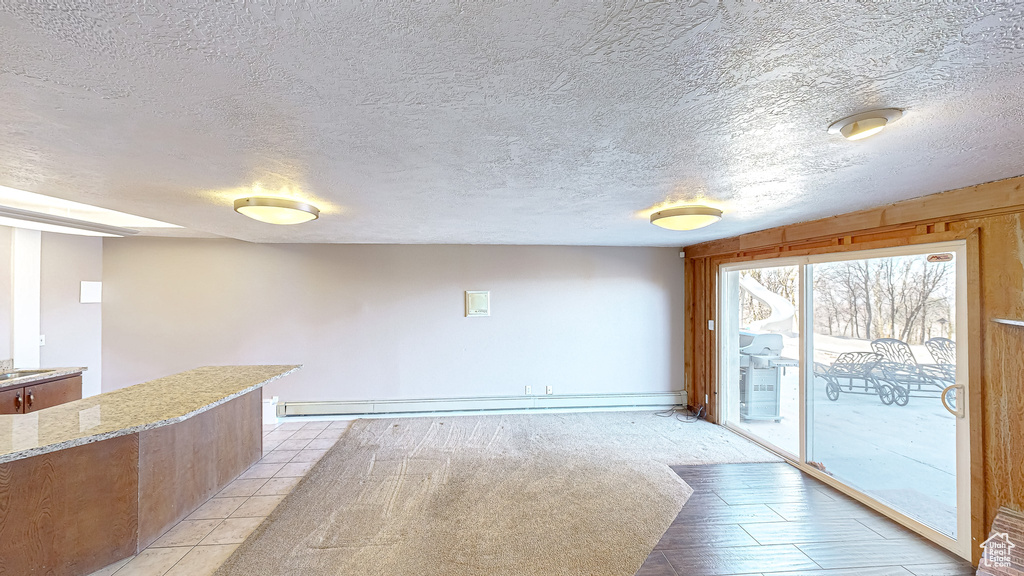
{"x": 969, "y": 468}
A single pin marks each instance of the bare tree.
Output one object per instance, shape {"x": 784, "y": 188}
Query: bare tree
{"x": 926, "y": 280}
{"x": 904, "y": 297}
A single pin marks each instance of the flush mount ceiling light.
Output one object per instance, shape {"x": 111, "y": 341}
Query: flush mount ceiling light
{"x": 860, "y": 126}
{"x": 18, "y": 218}
{"x": 276, "y": 210}
{"x": 686, "y": 217}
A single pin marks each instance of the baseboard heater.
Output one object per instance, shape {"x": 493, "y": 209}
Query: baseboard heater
{"x": 650, "y": 400}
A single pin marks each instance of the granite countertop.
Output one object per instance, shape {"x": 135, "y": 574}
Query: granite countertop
{"x": 50, "y": 373}
{"x": 129, "y": 410}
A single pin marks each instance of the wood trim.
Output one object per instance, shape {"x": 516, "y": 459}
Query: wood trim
{"x": 936, "y": 211}
{"x": 975, "y": 385}
{"x": 688, "y": 327}
{"x": 696, "y": 334}
{"x": 848, "y": 246}
{"x": 700, "y": 365}
{"x": 711, "y": 341}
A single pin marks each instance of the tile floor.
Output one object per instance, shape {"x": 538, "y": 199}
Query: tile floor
{"x": 200, "y": 543}
{"x": 772, "y": 519}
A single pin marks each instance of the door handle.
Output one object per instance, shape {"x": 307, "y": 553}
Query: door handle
{"x": 17, "y": 401}
{"x": 30, "y": 397}
{"x": 959, "y": 410}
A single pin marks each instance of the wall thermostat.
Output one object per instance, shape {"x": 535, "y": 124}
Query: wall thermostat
{"x": 478, "y": 303}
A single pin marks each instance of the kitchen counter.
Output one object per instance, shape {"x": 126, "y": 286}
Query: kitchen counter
{"x": 32, "y": 378}
{"x": 89, "y": 482}
{"x": 129, "y": 410}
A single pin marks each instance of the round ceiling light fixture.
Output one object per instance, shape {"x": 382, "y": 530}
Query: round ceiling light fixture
{"x": 860, "y": 126}
{"x": 686, "y": 217}
{"x": 276, "y": 210}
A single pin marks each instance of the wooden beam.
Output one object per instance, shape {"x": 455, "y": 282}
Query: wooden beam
{"x": 975, "y": 398}
{"x": 990, "y": 199}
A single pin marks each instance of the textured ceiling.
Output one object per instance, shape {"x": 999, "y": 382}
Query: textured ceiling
{"x": 504, "y": 122}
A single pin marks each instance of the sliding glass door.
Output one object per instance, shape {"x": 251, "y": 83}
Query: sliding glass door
{"x": 762, "y": 378}
{"x": 869, "y": 382}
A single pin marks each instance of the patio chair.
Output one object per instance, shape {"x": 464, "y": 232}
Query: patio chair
{"x": 943, "y": 351}
{"x": 900, "y": 369}
{"x": 852, "y": 366}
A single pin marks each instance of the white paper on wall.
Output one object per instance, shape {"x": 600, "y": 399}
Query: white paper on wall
{"x": 92, "y": 292}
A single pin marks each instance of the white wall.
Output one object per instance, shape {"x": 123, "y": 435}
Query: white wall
{"x": 73, "y": 330}
{"x": 25, "y": 273}
{"x": 386, "y": 322}
{"x": 6, "y": 281}
{"x": 40, "y": 276}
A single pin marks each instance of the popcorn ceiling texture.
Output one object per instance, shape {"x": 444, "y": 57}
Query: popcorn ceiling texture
{"x": 504, "y": 122}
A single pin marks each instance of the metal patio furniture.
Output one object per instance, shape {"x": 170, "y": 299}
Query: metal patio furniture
{"x": 943, "y": 351}
{"x": 851, "y": 367}
{"x": 900, "y": 369}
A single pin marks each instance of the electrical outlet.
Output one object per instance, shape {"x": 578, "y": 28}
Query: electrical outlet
{"x": 549, "y": 390}
{"x": 529, "y": 390}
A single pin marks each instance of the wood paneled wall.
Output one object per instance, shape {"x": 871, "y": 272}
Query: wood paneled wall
{"x": 991, "y": 217}
{"x": 184, "y": 464}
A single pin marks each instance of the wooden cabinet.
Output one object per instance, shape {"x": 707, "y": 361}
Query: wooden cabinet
{"x": 52, "y": 393}
{"x": 40, "y": 394}
{"x": 12, "y": 401}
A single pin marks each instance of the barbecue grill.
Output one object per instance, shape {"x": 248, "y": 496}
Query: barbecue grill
{"x": 761, "y": 366}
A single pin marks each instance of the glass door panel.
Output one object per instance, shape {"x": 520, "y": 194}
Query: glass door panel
{"x": 881, "y": 358}
{"x": 760, "y": 354}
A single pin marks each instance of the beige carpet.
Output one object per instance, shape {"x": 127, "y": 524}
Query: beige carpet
{"x": 545, "y": 495}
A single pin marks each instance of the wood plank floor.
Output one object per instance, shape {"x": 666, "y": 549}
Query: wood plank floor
{"x": 770, "y": 518}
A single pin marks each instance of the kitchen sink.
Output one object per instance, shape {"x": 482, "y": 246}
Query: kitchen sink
{"x": 19, "y": 373}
